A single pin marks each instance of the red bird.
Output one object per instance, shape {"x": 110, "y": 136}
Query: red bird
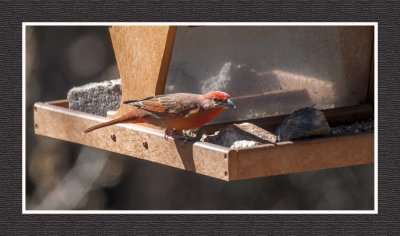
{"x": 178, "y": 111}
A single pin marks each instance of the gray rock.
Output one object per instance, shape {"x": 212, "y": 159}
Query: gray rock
{"x": 96, "y": 98}
{"x": 303, "y": 123}
{"x": 238, "y": 136}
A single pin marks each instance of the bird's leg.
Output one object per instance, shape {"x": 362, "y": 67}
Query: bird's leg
{"x": 199, "y": 133}
{"x": 177, "y": 134}
{"x": 168, "y": 133}
{"x": 180, "y": 135}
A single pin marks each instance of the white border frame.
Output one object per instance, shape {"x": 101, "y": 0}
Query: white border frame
{"x": 375, "y": 211}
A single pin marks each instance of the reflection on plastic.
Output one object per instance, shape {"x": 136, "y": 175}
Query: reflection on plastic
{"x": 272, "y": 71}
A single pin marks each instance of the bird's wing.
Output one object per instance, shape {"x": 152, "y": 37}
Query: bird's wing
{"x": 179, "y": 104}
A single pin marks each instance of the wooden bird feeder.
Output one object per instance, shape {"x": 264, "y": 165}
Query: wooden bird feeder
{"x": 143, "y": 56}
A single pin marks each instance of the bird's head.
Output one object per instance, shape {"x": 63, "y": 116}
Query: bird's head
{"x": 217, "y": 99}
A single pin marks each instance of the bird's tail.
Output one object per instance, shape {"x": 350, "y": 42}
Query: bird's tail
{"x": 132, "y": 117}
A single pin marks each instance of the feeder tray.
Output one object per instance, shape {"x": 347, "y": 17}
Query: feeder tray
{"x": 155, "y": 44}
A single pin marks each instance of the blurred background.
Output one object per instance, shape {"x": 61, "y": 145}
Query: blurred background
{"x": 63, "y": 175}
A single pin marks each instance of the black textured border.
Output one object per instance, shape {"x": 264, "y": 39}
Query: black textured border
{"x": 14, "y": 13}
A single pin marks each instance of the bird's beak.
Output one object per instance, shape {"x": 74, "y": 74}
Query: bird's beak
{"x": 229, "y": 103}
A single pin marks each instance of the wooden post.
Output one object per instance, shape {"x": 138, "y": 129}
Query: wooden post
{"x": 143, "y": 54}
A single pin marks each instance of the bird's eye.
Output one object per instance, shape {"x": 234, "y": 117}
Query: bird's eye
{"x": 216, "y": 100}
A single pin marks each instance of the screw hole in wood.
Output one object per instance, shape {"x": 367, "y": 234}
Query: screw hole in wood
{"x": 145, "y": 144}
{"x": 113, "y": 137}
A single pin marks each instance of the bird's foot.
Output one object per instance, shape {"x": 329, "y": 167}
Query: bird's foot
{"x": 177, "y": 134}
{"x": 168, "y": 133}
{"x": 184, "y": 138}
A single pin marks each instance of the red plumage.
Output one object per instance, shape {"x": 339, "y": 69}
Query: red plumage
{"x": 179, "y": 111}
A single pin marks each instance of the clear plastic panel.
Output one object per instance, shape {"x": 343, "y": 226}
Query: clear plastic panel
{"x": 273, "y": 70}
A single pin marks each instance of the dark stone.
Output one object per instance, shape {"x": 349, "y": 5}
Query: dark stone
{"x": 306, "y": 122}
{"x": 96, "y": 98}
